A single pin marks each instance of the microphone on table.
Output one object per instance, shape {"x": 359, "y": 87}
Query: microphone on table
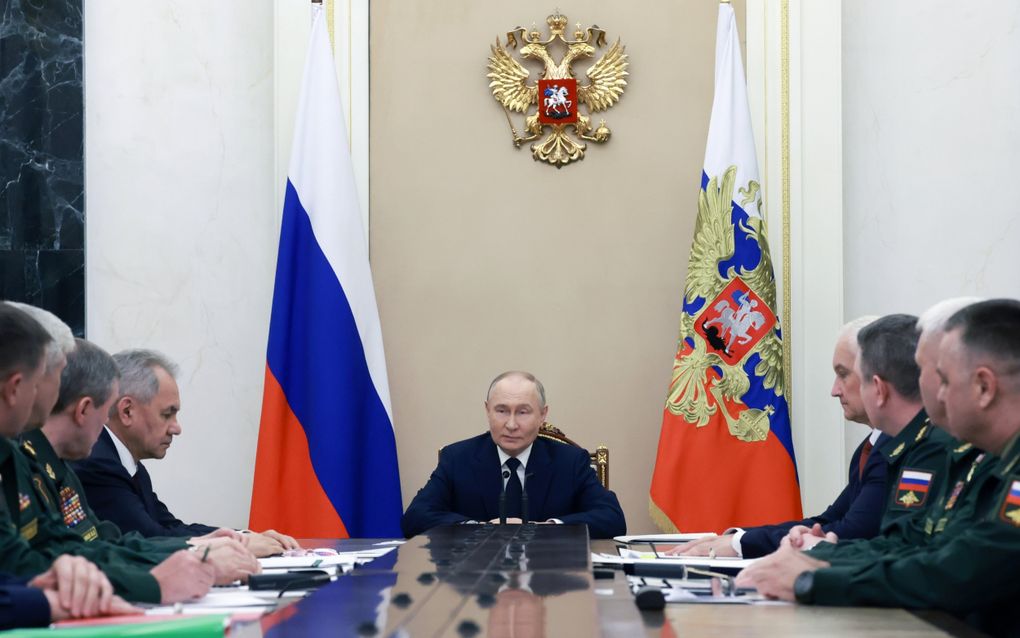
{"x": 656, "y": 570}
{"x": 502, "y": 499}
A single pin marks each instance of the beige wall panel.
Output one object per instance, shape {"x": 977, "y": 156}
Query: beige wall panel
{"x": 485, "y": 260}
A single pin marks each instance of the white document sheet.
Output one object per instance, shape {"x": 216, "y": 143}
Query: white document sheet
{"x": 697, "y": 561}
{"x": 662, "y": 538}
{"x": 342, "y": 559}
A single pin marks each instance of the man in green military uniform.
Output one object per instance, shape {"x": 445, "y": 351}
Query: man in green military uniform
{"x": 966, "y": 565}
{"x": 88, "y": 387}
{"x": 890, "y": 392}
{"x": 60, "y": 345}
{"x": 916, "y": 452}
{"x": 31, "y": 538}
{"x": 959, "y": 458}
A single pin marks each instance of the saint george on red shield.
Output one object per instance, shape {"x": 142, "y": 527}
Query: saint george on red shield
{"x": 557, "y": 101}
{"x": 734, "y": 322}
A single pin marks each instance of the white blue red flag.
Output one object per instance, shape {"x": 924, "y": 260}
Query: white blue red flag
{"x": 725, "y": 453}
{"x": 327, "y": 462}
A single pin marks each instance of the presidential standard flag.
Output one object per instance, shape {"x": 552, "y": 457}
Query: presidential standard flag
{"x": 725, "y": 453}
{"x": 327, "y": 463}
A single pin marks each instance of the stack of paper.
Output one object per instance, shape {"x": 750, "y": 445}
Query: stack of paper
{"x": 342, "y": 560}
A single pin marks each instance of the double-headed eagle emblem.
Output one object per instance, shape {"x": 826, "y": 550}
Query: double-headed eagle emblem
{"x": 727, "y": 318}
{"x": 557, "y": 95}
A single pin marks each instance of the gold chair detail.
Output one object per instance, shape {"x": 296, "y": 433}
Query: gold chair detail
{"x": 599, "y": 458}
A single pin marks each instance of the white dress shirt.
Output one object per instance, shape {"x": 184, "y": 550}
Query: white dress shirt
{"x": 126, "y": 459}
{"x": 738, "y": 533}
{"x": 522, "y": 457}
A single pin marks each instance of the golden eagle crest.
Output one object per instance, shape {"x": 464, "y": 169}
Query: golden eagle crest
{"x": 557, "y": 95}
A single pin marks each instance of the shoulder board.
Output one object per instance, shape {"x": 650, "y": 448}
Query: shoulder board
{"x": 1009, "y": 467}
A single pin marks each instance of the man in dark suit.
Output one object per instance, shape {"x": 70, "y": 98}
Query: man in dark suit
{"x": 916, "y": 452}
{"x": 964, "y": 559}
{"x": 857, "y": 511}
{"x": 31, "y": 537}
{"x": 552, "y": 481}
{"x": 142, "y": 424}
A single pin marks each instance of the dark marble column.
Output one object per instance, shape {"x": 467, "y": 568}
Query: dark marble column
{"x": 42, "y": 193}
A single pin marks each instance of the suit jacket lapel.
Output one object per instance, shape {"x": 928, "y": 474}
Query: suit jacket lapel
{"x": 104, "y": 448}
{"x": 144, "y": 486}
{"x": 539, "y": 478}
{"x": 490, "y": 478}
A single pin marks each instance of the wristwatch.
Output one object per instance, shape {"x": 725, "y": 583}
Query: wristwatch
{"x": 803, "y": 587}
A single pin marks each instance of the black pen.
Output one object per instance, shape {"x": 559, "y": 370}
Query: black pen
{"x": 205, "y": 554}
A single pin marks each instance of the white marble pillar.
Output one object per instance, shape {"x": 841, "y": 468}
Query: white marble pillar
{"x": 182, "y": 223}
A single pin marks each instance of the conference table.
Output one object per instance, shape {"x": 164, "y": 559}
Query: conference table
{"x": 537, "y": 581}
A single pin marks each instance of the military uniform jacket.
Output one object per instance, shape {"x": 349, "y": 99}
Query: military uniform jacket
{"x": 65, "y": 491}
{"x": 856, "y": 512}
{"x": 967, "y": 566}
{"x": 963, "y": 465}
{"x": 32, "y": 535}
{"x": 916, "y": 461}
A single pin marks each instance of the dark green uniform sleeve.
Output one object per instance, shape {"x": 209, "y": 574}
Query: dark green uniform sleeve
{"x": 33, "y": 534}
{"x": 156, "y": 546}
{"x": 928, "y": 455}
{"x": 18, "y": 557}
{"x": 955, "y": 505}
{"x": 963, "y": 571}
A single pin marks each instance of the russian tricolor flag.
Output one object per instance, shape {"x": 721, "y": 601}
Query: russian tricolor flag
{"x": 725, "y": 455}
{"x": 1013, "y": 498}
{"x": 327, "y": 462}
{"x": 914, "y": 480}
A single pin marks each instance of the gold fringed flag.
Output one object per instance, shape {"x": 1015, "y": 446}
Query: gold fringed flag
{"x": 725, "y": 454}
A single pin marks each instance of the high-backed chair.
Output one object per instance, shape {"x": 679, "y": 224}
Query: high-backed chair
{"x": 599, "y": 458}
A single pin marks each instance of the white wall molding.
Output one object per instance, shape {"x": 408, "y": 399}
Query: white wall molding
{"x": 801, "y": 40}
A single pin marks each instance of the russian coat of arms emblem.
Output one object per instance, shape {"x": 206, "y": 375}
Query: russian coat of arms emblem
{"x": 557, "y": 95}
{"x": 734, "y": 322}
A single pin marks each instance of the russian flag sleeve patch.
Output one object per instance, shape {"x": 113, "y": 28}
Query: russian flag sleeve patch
{"x": 912, "y": 487}
{"x": 1010, "y": 510}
